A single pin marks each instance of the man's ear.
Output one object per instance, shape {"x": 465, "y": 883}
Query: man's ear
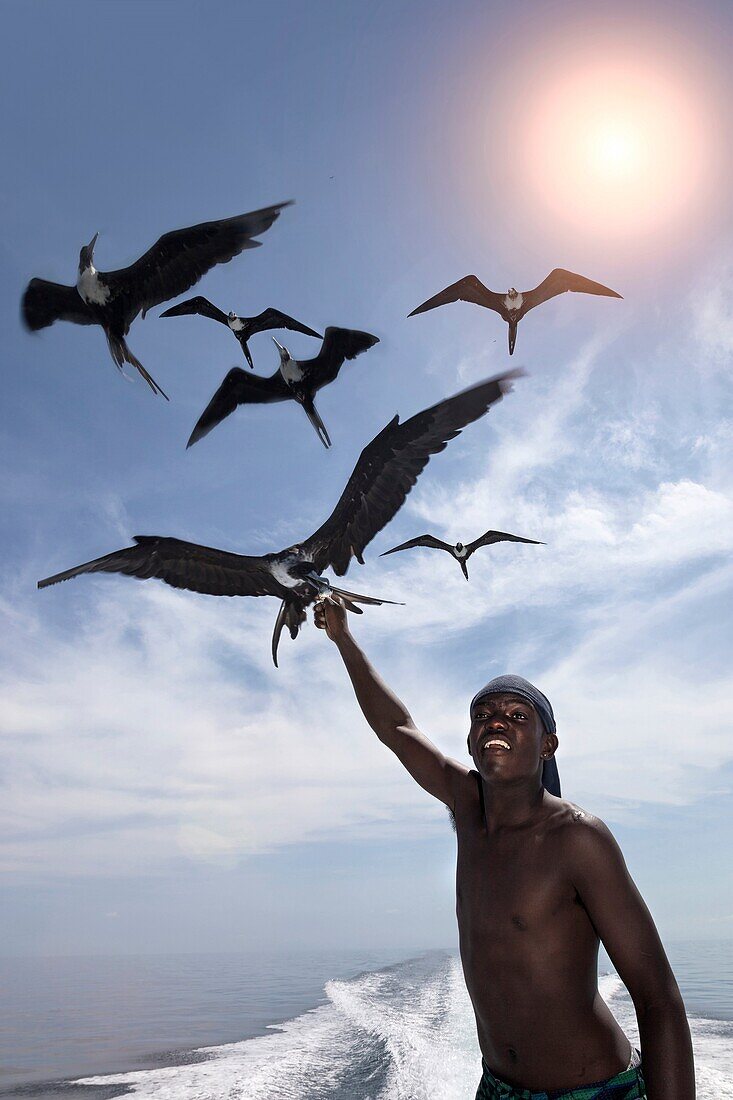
{"x": 549, "y": 745}
{"x": 468, "y": 746}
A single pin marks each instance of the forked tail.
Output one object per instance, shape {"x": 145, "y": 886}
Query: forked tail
{"x": 512, "y": 336}
{"x": 121, "y": 354}
{"x": 312, "y": 413}
{"x": 292, "y": 615}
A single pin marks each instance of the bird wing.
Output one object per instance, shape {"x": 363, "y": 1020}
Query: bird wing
{"x": 338, "y": 344}
{"x": 468, "y": 289}
{"x": 498, "y": 536}
{"x": 558, "y": 282}
{"x": 184, "y": 565}
{"x": 44, "y": 302}
{"x": 387, "y": 469}
{"x": 179, "y": 258}
{"x": 238, "y": 388}
{"x": 198, "y": 305}
{"x": 273, "y": 318}
{"x": 421, "y": 540}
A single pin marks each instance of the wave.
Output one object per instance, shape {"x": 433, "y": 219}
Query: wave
{"x": 406, "y": 1032}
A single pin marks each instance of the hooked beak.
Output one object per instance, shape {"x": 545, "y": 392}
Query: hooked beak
{"x": 92, "y": 243}
{"x": 283, "y": 351}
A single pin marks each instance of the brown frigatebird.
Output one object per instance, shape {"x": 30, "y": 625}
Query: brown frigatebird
{"x": 113, "y": 299}
{"x": 294, "y": 380}
{"x": 513, "y": 305}
{"x": 460, "y": 552}
{"x": 242, "y": 327}
{"x": 385, "y": 472}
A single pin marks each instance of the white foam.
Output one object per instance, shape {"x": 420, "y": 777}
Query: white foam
{"x": 417, "y": 1028}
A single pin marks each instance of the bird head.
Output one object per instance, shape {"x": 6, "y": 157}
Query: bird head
{"x": 285, "y": 355}
{"x": 512, "y": 293}
{"x": 86, "y": 255}
{"x": 459, "y": 546}
{"x": 232, "y": 315}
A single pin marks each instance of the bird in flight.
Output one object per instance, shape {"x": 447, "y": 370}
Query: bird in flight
{"x": 460, "y": 552}
{"x": 242, "y": 327}
{"x": 385, "y": 472}
{"x": 113, "y": 299}
{"x": 294, "y": 380}
{"x": 513, "y": 305}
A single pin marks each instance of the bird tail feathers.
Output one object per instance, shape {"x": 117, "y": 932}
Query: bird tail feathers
{"x": 291, "y": 615}
{"x": 121, "y": 354}
{"x": 312, "y": 413}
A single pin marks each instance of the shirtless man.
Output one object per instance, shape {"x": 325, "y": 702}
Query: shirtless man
{"x": 539, "y": 884}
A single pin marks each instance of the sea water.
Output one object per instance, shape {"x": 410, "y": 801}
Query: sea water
{"x": 295, "y": 1026}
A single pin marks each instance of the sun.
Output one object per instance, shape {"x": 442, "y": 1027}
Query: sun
{"x": 614, "y": 148}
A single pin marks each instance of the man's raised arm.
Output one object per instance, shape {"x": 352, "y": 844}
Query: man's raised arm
{"x": 388, "y": 717}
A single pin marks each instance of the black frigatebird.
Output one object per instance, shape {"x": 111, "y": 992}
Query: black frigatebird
{"x": 295, "y": 380}
{"x": 460, "y": 552}
{"x": 113, "y": 299}
{"x": 385, "y": 472}
{"x": 513, "y": 305}
{"x": 242, "y": 327}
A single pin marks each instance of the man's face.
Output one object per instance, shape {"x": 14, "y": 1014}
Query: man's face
{"x": 507, "y": 738}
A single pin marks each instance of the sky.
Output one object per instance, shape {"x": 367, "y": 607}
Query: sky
{"x": 164, "y": 787}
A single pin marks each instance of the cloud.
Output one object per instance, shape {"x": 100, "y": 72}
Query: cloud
{"x": 148, "y": 727}
{"x": 711, "y": 308}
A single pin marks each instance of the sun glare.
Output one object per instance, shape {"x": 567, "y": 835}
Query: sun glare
{"x": 615, "y": 149}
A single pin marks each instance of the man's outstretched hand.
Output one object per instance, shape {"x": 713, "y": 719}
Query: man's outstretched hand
{"x": 329, "y": 614}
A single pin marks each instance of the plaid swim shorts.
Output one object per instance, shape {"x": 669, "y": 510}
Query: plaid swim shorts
{"x": 627, "y": 1085}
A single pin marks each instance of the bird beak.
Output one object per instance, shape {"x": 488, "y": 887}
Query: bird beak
{"x": 280, "y": 348}
{"x": 92, "y": 243}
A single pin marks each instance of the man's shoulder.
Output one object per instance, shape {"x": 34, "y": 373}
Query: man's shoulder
{"x": 582, "y": 836}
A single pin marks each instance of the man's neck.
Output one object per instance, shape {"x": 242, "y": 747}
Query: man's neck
{"x": 510, "y": 806}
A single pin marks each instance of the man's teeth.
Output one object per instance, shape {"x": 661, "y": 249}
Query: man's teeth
{"x": 497, "y": 741}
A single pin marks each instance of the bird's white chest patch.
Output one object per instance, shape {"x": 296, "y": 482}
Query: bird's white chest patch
{"x": 281, "y": 572}
{"x": 91, "y": 288}
{"x": 462, "y": 553}
{"x": 236, "y": 324}
{"x": 513, "y": 303}
{"x": 291, "y": 371}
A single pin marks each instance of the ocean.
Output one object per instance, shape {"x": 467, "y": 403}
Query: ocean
{"x": 289, "y": 1025}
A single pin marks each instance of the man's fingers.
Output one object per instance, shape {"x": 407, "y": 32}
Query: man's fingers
{"x": 328, "y": 613}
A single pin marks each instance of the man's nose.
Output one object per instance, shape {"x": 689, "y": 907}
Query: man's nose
{"x": 497, "y": 722}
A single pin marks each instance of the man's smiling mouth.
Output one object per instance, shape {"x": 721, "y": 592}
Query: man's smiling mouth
{"x": 496, "y": 743}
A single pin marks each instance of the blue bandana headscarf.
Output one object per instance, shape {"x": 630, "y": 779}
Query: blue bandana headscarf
{"x": 517, "y": 685}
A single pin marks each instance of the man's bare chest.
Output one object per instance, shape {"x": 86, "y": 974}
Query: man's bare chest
{"x": 510, "y": 885}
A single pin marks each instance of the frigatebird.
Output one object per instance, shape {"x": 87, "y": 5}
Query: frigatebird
{"x": 295, "y": 380}
{"x": 113, "y": 299}
{"x": 460, "y": 552}
{"x": 385, "y": 472}
{"x": 242, "y": 327}
{"x": 513, "y": 305}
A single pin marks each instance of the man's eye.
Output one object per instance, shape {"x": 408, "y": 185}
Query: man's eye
{"x": 519, "y": 714}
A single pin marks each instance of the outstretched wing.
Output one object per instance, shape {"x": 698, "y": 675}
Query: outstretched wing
{"x": 184, "y": 565}
{"x": 198, "y": 305}
{"x": 44, "y": 302}
{"x": 558, "y": 282}
{"x": 238, "y": 388}
{"x": 338, "y": 345}
{"x": 498, "y": 536}
{"x": 273, "y": 319}
{"x": 387, "y": 469}
{"x": 181, "y": 257}
{"x": 421, "y": 540}
{"x": 468, "y": 289}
